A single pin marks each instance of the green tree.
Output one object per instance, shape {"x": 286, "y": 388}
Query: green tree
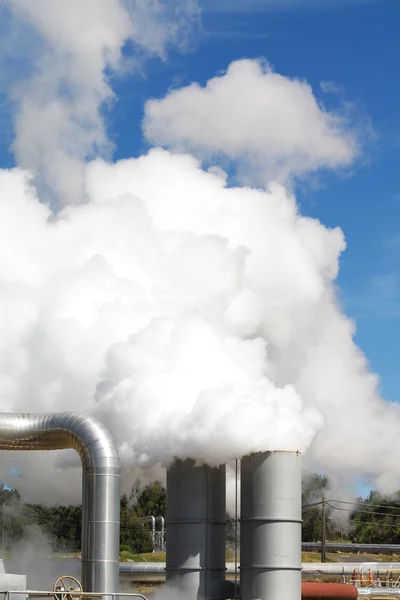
{"x": 61, "y": 524}
{"x": 13, "y": 519}
{"x": 376, "y": 520}
{"x": 134, "y": 533}
{"x": 149, "y": 500}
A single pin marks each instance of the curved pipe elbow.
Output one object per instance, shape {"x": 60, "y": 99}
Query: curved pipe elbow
{"x": 100, "y": 489}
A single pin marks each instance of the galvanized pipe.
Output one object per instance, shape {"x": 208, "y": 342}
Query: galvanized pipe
{"x": 342, "y": 568}
{"x": 379, "y": 592}
{"x": 100, "y": 484}
{"x": 162, "y": 521}
{"x": 270, "y": 526}
{"x": 317, "y": 569}
{"x": 196, "y": 515}
{"x": 352, "y": 548}
{"x": 152, "y": 520}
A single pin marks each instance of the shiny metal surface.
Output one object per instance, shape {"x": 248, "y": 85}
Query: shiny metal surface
{"x": 100, "y": 483}
{"x": 196, "y": 515}
{"x": 142, "y": 571}
{"x": 379, "y": 592}
{"x": 337, "y": 569}
{"x": 270, "y": 526}
{"x": 127, "y": 568}
{"x": 24, "y": 594}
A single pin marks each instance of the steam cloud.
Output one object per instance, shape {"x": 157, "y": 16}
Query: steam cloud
{"x": 194, "y": 318}
{"x": 60, "y": 107}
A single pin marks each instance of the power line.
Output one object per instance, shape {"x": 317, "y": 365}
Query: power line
{"x": 375, "y": 524}
{"x": 312, "y": 505}
{"x": 360, "y": 511}
{"x": 356, "y": 510}
{"x": 362, "y": 503}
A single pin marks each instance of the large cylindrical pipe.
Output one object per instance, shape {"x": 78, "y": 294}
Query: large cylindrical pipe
{"x": 100, "y": 483}
{"x": 196, "y": 515}
{"x": 270, "y": 528}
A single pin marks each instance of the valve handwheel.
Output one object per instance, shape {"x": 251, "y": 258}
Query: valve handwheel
{"x": 65, "y": 584}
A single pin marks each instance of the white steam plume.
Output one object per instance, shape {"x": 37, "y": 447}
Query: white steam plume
{"x": 271, "y": 126}
{"x": 205, "y": 316}
{"x": 59, "y": 109}
{"x": 197, "y": 320}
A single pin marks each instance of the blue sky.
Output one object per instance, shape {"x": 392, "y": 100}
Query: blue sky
{"x": 354, "y": 45}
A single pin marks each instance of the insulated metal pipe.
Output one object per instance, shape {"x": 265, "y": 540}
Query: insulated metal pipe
{"x": 333, "y": 570}
{"x": 379, "y": 592}
{"x": 196, "y": 515}
{"x": 152, "y": 520}
{"x": 315, "y": 569}
{"x": 162, "y": 520}
{"x": 352, "y": 548}
{"x": 100, "y": 483}
{"x": 270, "y": 526}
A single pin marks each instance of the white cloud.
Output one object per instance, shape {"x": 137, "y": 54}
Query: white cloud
{"x": 271, "y": 125}
{"x": 58, "y": 119}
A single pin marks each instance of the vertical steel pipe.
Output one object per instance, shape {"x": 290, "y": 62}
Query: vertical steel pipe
{"x": 270, "y": 528}
{"x": 162, "y": 544}
{"x": 196, "y": 515}
{"x": 100, "y": 484}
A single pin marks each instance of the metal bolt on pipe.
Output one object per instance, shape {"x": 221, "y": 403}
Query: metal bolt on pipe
{"x": 100, "y": 484}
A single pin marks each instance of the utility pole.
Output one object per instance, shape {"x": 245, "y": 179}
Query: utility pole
{"x": 323, "y": 538}
{"x": 236, "y": 528}
{"x": 3, "y": 528}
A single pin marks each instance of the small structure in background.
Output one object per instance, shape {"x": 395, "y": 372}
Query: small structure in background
{"x": 157, "y": 536}
{"x": 11, "y": 582}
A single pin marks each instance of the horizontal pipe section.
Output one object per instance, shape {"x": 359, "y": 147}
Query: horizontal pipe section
{"x": 379, "y": 592}
{"x": 336, "y": 569}
{"x": 348, "y": 568}
{"x": 100, "y": 483}
{"x": 142, "y": 568}
{"x": 352, "y": 548}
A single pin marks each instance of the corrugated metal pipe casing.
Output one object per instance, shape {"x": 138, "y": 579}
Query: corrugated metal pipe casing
{"x": 100, "y": 484}
{"x": 196, "y": 515}
{"x": 270, "y": 529}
